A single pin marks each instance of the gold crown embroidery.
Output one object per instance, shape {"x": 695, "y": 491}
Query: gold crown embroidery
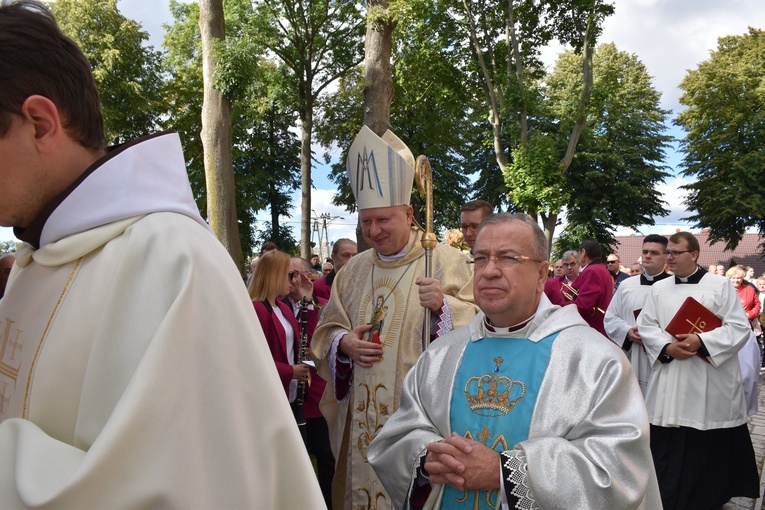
{"x": 490, "y": 394}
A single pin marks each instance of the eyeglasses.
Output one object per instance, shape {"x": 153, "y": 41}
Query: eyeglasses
{"x": 501, "y": 261}
{"x": 293, "y": 274}
{"x": 675, "y": 253}
{"x": 569, "y": 264}
{"x": 655, "y": 253}
{"x": 464, "y": 227}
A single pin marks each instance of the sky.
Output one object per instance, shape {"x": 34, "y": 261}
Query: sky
{"x": 669, "y": 36}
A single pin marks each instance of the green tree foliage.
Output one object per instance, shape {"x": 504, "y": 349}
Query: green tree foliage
{"x": 128, "y": 74}
{"x": 265, "y": 152}
{"x": 433, "y": 111}
{"x": 317, "y": 42}
{"x": 725, "y": 142}
{"x": 619, "y": 162}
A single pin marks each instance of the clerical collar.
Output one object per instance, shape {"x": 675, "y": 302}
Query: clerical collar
{"x": 646, "y": 279}
{"x": 509, "y": 331}
{"x": 393, "y": 258}
{"x": 694, "y": 277}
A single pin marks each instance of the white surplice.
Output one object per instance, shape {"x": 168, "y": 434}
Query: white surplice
{"x": 620, "y": 318}
{"x": 693, "y": 392}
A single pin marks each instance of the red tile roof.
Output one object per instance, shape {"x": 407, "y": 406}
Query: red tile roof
{"x": 746, "y": 253}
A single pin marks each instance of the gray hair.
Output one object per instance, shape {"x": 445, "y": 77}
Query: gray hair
{"x": 538, "y": 245}
{"x": 570, "y": 253}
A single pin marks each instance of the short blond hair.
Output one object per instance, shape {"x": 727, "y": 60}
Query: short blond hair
{"x": 734, "y": 271}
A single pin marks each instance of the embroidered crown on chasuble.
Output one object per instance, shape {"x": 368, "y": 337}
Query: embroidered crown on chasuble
{"x": 493, "y": 398}
{"x": 380, "y": 169}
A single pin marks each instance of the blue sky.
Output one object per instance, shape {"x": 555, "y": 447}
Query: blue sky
{"x": 669, "y": 36}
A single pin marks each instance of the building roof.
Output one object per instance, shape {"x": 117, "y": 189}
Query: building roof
{"x": 746, "y": 253}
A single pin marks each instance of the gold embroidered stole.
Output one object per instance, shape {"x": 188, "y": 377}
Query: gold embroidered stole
{"x": 21, "y": 343}
{"x": 384, "y": 303}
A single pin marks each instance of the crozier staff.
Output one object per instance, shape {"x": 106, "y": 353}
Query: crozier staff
{"x": 380, "y": 289}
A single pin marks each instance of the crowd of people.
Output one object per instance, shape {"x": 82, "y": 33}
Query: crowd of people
{"x": 137, "y": 370}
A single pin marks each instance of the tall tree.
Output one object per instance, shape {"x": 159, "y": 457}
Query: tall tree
{"x": 265, "y": 151}
{"x": 725, "y": 142}
{"x": 506, "y": 38}
{"x": 612, "y": 179}
{"x": 216, "y": 134}
{"x": 319, "y": 41}
{"x": 127, "y": 73}
{"x": 433, "y": 111}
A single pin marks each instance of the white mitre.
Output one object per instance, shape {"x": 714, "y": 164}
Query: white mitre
{"x": 381, "y": 170}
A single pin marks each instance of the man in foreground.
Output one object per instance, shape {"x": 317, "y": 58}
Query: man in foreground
{"x": 133, "y": 370}
{"x": 526, "y": 405}
{"x": 699, "y": 437}
{"x": 371, "y": 332}
{"x": 621, "y": 317}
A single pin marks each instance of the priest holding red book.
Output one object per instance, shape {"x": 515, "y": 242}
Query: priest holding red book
{"x": 699, "y": 437}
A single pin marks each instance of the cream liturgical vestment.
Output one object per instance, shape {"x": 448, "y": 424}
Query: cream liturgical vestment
{"x": 567, "y": 417}
{"x": 368, "y": 290}
{"x": 133, "y": 369}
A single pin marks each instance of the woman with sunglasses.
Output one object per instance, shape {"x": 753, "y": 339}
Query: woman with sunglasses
{"x": 270, "y": 283}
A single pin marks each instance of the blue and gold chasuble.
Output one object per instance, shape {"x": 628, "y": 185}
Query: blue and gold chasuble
{"x": 493, "y": 399}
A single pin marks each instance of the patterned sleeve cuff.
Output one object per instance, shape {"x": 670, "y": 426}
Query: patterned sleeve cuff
{"x": 515, "y": 481}
{"x": 444, "y": 320}
{"x": 340, "y": 367}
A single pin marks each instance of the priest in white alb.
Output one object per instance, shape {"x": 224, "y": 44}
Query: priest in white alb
{"x": 371, "y": 331}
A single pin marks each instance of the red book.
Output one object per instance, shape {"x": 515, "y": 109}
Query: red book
{"x": 693, "y": 317}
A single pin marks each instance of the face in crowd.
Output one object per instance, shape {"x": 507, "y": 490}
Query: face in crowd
{"x": 343, "y": 253}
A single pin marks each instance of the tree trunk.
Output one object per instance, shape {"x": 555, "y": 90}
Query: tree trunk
{"x": 378, "y": 86}
{"x": 216, "y": 136}
{"x": 584, "y": 102}
{"x": 549, "y": 222}
{"x": 493, "y": 92}
{"x": 378, "y": 83}
{"x": 305, "y": 175}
